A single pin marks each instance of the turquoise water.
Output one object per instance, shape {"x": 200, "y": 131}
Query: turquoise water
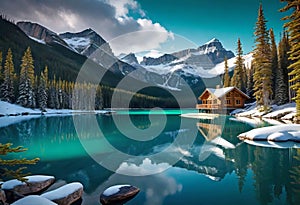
{"x": 211, "y": 170}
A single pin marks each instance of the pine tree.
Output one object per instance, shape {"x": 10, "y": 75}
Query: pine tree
{"x": 6, "y": 164}
{"x": 7, "y": 87}
{"x": 274, "y": 61}
{"x": 42, "y": 95}
{"x": 98, "y": 99}
{"x": 1, "y": 70}
{"x": 282, "y": 87}
{"x": 262, "y": 76}
{"x": 249, "y": 85}
{"x": 26, "y": 86}
{"x": 293, "y": 29}
{"x": 226, "y": 79}
{"x": 238, "y": 78}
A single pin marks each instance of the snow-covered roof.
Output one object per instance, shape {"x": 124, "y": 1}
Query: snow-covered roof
{"x": 220, "y": 92}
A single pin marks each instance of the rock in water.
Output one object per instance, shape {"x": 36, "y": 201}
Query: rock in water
{"x": 118, "y": 194}
{"x": 15, "y": 189}
{"x": 66, "y": 194}
{"x": 34, "y": 200}
{"x": 2, "y": 197}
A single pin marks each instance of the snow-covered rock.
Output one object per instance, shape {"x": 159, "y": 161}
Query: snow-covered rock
{"x": 33, "y": 200}
{"x": 279, "y": 133}
{"x": 66, "y": 194}
{"x": 34, "y": 184}
{"x": 118, "y": 194}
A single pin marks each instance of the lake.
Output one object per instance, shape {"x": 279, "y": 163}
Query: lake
{"x": 195, "y": 161}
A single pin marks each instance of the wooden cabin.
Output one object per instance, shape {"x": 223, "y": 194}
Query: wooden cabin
{"x": 228, "y": 98}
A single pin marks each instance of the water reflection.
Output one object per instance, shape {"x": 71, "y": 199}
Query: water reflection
{"x": 217, "y": 159}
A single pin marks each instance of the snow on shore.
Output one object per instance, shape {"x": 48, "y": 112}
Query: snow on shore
{"x": 282, "y": 112}
{"x": 277, "y": 133}
{"x": 12, "y": 113}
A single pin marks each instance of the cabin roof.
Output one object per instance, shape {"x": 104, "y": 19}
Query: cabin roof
{"x": 220, "y": 92}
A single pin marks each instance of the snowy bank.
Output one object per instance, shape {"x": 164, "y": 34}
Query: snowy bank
{"x": 12, "y": 113}
{"x": 278, "y": 133}
{"x": 282, "y": 112}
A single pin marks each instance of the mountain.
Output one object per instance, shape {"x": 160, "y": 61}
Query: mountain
{"x": 164, "y": 59}
{"x": 130, "y": 59}
{"x": 85, "y": 42}
{"x": 205, "y": 56}
{"x": 40, "y": 34}
{"x": 186, "y": 67}
{"x": 64, "y": 63}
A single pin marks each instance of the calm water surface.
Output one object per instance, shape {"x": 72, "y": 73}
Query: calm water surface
{"x": 212, "y": 170}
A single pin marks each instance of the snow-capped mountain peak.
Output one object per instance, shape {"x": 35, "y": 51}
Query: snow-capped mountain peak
{"x": 213, "y": 40}
{"x": 85, "y": 42}
{"x": 130, "y": 59}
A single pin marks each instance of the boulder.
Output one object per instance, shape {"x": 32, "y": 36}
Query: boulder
{"x": 34, "y": 184}
{"x": 66, "y": 194}
{"x": 15, "y": 189}
{"x": 12, "y": 196}
{"x": 33, "y": 200}
{"x": 2, "y": 197}
{"x": 118, "y": 194}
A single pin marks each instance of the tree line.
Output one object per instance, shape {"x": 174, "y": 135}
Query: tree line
{"x": 274, "y": 74}
{"x": 35, "y": 90}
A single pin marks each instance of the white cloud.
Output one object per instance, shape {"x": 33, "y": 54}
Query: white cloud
{"x": 149, "y": 36}
{"x": 123, "y": 6}
{"x": 110, "y": 18}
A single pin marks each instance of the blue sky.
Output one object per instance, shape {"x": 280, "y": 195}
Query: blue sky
{"x": 227, "y": 20}
{"x": 125, "y": 24}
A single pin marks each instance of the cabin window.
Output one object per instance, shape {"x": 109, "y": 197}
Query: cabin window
{"x": 227, "y": 102}
{"x": 238, "y": 102}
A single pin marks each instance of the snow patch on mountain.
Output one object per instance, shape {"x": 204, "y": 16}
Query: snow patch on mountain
{"x": 78, "y": 43}
{"x": 37, "y": 40}
{"x": 212, "y": 41}
{"x": 220, "y": 67}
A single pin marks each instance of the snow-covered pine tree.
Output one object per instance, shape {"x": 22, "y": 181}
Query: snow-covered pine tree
{"x": 26, "y": 86}
{"x": 282, "y": 86}
{"x": 226, "y": 79}
{"x": 274, "y": 61}
{"x": 7, "y": 87}
{"x": 42, "y": 95}
{"x": 238, "y": 78}
{"x": 262, "y": 76}
{"x": 293, "y": 29}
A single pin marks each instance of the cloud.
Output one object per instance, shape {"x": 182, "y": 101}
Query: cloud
{"x": 110, "y": 18}
{"x": 143, "y": 169}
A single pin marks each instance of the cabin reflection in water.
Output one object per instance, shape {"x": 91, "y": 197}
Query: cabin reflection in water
{"x": 210, "y": 129}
